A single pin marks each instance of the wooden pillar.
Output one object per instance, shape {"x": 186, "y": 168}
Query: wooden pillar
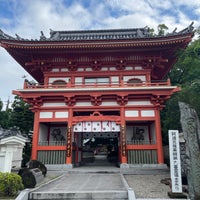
{"x": 35, "y": 135}
{"x": 159, "y": 137}
{"x": 69, "y": 139}
{"x": 123, "y": 138}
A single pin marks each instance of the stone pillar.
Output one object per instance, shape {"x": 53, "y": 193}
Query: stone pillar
{"x": 191, "y": 130}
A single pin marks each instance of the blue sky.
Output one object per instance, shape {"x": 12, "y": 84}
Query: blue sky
{"x": 28, "y": 17}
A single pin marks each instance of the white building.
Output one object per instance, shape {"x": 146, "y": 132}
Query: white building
{"x": 11, "y": 148}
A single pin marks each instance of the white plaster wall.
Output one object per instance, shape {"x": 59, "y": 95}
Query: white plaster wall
{"x": 115, "y": 79}
{"x": 55, "y": 70}
{"x": 139, "y": 103}
{"x": 78, "y": 80}
{"x": 64, "y": 69}
{"x": 138, "y": 67}
{"x": 107, "y": 103}
{"x": 61, "y": 114}
{"x": 46, "y": 114}
{"x": 2, "y": 161}
{"x": 17, "y": 157}
{"x": 129, "y": 68}
{"x": 147, "y": 113}
{"x": 131, "y": 113}
{"x": 54, "y": 104}
{"x": 83, "y": 104}
{"x": 104, "y": 69}
{"x": 43, "y": 132}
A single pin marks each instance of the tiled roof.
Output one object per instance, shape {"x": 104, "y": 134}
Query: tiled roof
{"x": 4, "y": 133}
{"x": 91, "y": 35}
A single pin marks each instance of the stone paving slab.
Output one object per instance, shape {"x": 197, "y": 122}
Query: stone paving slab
{"x": 85, "y": 182}
{"x": 83, "y": 186}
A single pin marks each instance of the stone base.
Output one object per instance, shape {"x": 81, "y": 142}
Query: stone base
{"x": 59, "y": 167}
{"x": 177, "y": 195}
{"x": 153, "y": 166}
{"x": 124, "y": 165}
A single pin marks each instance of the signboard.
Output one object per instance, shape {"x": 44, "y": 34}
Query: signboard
{"x": 97, "y": 126}
{"x": 175, "y": 162}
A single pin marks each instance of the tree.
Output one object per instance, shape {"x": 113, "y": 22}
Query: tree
{"x": 161, "y": 29}
{"x": 4, "y": 116}
{"x": 21, "y": 116}
{"x": 185, "y": 73}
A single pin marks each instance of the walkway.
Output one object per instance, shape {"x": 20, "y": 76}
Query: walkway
{"x": 103, "y": 182}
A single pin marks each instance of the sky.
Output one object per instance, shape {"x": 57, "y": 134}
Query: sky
{"x": 27, "y": 18}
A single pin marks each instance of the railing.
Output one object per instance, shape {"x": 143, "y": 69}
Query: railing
{"x": 52, "y": 157}
{"x": 142, "y": 156}
{"x": 141, "y": 142}
{"x": 52, "y": 143}
{"x": 28, "y": 85}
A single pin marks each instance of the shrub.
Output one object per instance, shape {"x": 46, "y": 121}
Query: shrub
{"x": 10, "y": 184}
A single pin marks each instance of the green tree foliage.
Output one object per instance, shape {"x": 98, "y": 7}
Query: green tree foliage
{"x": 186, "y": 74}
{"x": 4, "y": 116}
{"x": 21, "y": 116}
{"x": 161, "y": 29}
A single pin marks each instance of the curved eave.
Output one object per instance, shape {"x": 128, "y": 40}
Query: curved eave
{"x": 99, "y": 89}
{"x": 98, "y": 44}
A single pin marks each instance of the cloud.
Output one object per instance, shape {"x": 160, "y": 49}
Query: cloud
{"x": 28, "y": 18}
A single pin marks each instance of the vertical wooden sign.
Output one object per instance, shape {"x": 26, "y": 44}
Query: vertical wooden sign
{"x": 175, "y": 161}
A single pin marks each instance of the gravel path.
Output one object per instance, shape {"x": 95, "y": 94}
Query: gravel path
{"x": 148, "y": 186}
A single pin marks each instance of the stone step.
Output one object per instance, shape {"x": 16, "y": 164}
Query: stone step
{"x": 77, "y": 195}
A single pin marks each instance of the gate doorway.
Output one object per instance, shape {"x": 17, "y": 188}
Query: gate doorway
{"x": 96, "y": 143}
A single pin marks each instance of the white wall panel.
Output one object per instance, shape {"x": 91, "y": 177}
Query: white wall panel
{"x": 114, "y": 103}
{"x": 55, "y": 104}
{"x": 61, "y": 114}
{"x": 78, "y": 80}
{"x": 131, "y": 113}
{"x": 139, "y": 103}
{"x": 83, "y": 104}
{"x": 115, "y": 79}
{"x": 46, "y": 114}
{"x": 148, "y": 113}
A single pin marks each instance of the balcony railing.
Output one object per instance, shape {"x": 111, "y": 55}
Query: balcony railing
{"x": 28, "y": 85}
{"x": 141, "y": 142}
{"x": 52, "y": 143}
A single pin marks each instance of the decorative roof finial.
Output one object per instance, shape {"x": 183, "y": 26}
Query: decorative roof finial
{"x": 42, "y": 37}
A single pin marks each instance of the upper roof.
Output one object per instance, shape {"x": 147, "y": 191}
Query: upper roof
{"x": 88, "y": 35}
{"x": 69, "y": 46}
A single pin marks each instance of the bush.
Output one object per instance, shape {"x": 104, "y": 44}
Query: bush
{"x": 10, "y": 184}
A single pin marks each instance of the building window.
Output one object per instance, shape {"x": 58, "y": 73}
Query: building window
{"x": 134, "y": 81}
{"x": 59, "y": 82}
{"x": 97, "y": 80}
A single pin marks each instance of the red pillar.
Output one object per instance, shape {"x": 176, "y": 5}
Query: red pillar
{"x": 159, "y": 137}
{"x": 69, "y": 138}
{"x": 123, "y": 153}
{"x": 35, "y": 135}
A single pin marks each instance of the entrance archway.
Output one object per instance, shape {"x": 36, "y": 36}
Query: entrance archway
{"x": 96, "y": 140}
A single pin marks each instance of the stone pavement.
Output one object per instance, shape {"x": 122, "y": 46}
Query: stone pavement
{"x": 100, "y": 182}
